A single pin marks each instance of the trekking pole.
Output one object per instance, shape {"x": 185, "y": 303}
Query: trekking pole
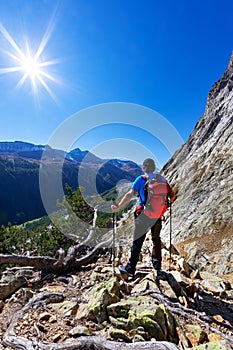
{"x": 113, "y": 242}
{"x": 170, "y": 248}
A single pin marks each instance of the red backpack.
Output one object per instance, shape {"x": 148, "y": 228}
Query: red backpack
{"x": 156, "y": 192}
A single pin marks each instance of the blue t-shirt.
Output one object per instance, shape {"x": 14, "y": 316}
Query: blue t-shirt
{"x": 139, "y": 184}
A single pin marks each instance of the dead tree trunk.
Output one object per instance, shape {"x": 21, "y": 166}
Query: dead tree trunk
{"x": 63, "y": 263}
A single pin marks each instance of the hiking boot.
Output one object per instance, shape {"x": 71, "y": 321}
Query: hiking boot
{"x": 161, "y": 276}
{"x": 123, "y": 271}
{"x": 156, "y": 264}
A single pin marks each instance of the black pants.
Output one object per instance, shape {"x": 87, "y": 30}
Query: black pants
{"x": 142, "y": 225}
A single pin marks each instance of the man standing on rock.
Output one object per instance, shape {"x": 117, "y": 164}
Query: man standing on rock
{"x": 147, "y": 215}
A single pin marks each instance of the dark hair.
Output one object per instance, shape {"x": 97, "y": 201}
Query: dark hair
{"x": 149, "y": 165}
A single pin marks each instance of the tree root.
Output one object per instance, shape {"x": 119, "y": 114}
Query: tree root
{"x": 192, "y": 315}
{"x": 10, "y": 338}
{"x": 93, "y": 342}
{"x": 100, "y": 343}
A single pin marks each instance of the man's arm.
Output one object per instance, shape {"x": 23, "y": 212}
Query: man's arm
{"x": 125, "y": 200}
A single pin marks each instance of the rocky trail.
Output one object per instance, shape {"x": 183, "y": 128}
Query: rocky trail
{"x": 95, "y": 308}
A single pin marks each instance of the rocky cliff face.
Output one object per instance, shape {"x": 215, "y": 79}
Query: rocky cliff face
{"x": 202, "y": 173}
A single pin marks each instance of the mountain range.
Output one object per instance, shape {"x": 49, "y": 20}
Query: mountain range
{"x": 201, "y": 172}
{"x": 20, "y": 163}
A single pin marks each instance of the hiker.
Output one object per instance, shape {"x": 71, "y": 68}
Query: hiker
{"x": 146, "y": 218}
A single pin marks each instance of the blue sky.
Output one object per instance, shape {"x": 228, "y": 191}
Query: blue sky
{"x": 164, "y": 55}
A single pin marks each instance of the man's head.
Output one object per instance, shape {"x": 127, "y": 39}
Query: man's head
{"x": 148, "y": 166}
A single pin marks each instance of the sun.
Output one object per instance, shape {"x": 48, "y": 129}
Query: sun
{"x": 33, "y": 68}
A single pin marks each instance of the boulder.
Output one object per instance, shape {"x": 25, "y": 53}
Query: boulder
{"x": 121, "y": 308}
{"x": 12, "y": 279}
{"x": 214, "y": 283}
{"x": 102, "y": 295}
{"x": 147, "y": 283}
{"x": 120, "y": 334}
{"x": 141, "y": 312}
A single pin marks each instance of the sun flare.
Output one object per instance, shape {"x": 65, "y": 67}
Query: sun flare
{"x": 32, "y": 67}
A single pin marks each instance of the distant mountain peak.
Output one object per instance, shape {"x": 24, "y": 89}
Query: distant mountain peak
{"x": 19, "y": 146}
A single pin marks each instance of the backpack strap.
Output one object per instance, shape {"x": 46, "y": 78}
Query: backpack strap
{"x": 145, "y": 190}
{"x": 158, "y": 178}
